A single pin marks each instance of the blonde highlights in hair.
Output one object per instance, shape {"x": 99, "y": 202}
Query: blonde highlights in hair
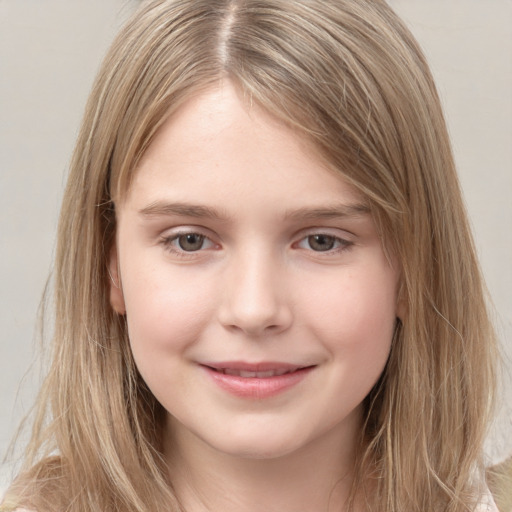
{"x": 348, "y": 76}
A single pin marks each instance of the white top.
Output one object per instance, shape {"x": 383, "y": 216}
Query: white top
{"x": 487, "y": 504}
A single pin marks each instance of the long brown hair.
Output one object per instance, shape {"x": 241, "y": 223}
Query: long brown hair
{"x": 348, "y": 75}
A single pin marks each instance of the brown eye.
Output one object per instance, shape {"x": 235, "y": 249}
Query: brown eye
{"x": 321, "y": 242}
{"x": 187, "y": 243}
{"x": 191, "y": 242}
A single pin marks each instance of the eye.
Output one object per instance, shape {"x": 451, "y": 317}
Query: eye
{"x": 322, "y": 242}
{"x": 190, "y": 242}
{"x": 187, "y": 242}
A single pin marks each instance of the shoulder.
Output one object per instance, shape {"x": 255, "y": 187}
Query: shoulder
{"x": 499, "y": 478}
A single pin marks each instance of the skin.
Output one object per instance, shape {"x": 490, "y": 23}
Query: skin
{"x": 289, "y": 268}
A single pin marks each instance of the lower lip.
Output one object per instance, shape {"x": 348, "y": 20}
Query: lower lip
{"x": 257, "y": 388}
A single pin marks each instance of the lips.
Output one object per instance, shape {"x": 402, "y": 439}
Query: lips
{"x": 256, "y": 381}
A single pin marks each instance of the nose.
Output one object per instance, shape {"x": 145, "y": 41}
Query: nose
{"x": 255, "y": 300}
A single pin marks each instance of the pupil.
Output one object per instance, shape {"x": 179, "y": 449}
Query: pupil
{"x": 191, "y": 242}
{"x": 321, "y": 242}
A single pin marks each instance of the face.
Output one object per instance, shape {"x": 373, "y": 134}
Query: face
{"x": 260, "y": 303}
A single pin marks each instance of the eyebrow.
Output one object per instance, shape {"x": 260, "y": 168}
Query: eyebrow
{"x": 162, "y": 208}
{"x": 181, "y": 209}
{"x": 329, "y": 212}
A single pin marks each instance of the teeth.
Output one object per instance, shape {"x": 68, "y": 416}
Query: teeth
{"x": 252, "y": 375}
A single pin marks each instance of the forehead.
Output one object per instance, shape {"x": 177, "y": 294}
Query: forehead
{"x": 216, "y": 139}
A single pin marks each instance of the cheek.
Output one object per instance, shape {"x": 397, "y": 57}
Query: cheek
{"x": 361, "y": 320}
{"x": 357, "y": 315}
{"x": 166, "y": 312}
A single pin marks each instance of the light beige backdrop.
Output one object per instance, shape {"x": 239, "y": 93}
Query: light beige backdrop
{"x": 49, "y": 53}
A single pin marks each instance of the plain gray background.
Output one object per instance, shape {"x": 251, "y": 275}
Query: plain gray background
{"x": 50, "y": 51}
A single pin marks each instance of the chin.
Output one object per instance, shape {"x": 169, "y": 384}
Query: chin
{"x": 260, "y": 446}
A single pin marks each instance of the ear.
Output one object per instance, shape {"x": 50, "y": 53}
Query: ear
{"x": 116, "y": 291}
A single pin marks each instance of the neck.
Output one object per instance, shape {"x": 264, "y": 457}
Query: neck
{"x": 317, "y": 477}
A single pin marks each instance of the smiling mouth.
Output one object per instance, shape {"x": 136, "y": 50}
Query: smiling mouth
{"x": 247, "y": 374}
{"x": 256, "y": 381}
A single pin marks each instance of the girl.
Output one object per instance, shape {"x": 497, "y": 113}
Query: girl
{"x": 266, "y": 292}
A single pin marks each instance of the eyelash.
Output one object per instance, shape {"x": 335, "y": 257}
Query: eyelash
{"x": 340, "y": 244}
{"x": 171, "y": 242}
